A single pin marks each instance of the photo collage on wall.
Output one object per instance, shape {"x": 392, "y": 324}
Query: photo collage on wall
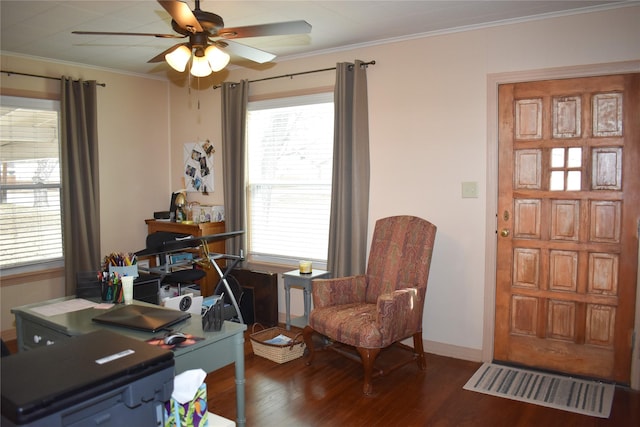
{"x": 198, "y": 166}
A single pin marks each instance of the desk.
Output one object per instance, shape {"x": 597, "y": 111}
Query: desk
{"x": 217, "y": 350}
{"x": 202, "y": 229}
{"x": 296, "y": 279}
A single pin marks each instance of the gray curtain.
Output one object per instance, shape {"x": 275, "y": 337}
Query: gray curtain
{"x": 350, "y": 187}
{"x": 235, "y": 97}
{"x": 80, "y": 186}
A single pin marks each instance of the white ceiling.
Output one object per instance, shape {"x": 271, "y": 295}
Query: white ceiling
{"x": 43, "y": 28}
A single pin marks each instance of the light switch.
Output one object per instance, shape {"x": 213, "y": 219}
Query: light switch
{"x": 469, "y": 190}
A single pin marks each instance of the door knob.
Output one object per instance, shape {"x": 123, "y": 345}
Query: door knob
{"x": 504, "y": 232}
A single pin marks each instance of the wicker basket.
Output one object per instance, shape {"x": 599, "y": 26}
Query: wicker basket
{"x": 279, "y": 353}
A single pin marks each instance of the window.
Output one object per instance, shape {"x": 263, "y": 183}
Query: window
{"x": 30, "y": 187}
{"x": 566, "y": 166}
{"x": 289, "y": 165}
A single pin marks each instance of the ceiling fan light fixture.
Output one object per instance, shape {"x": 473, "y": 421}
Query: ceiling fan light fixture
{"x": 200, "y": 66}
{"x": 217, "y": 58}
{"x": 178, "y": 58}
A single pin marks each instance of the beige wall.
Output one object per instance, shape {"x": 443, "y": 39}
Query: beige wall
{"x": 428, "y": 134}
{"x": 133, "y": 125}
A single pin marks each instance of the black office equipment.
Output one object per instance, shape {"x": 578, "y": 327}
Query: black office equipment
{"x": 142, "y": 317}
{"x": 237, "y": 293}
{"x": 185, "y": 275}
{"x": 146, "y": 287}
{"x": 207, "y": 260}
{"x": 100, "y": 378}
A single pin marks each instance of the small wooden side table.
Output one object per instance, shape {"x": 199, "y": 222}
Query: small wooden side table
{"x": 296, "y": 279}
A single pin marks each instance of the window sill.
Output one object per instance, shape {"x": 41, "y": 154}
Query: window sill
{"x": 276, "y": 267}
{"x": 269, "y": 267}
{"x": 32, "y": 276}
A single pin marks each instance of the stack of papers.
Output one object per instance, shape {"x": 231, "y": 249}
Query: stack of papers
{"x": 279, "y": 340}
{"x": 64, "y": 307}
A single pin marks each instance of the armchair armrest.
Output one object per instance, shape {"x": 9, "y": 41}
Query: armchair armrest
{"x": 341, "y": 290}
{"x": 399, "y": 314}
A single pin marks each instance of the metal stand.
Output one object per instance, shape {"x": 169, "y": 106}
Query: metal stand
{"x": 223, "y": 276}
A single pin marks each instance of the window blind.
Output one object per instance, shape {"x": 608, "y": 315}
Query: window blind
{"x": 289, "y": 164}
{"x": 30, "y": 185}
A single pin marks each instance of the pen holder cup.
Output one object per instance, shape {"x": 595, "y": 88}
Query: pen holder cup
{"x": 109, "y": 292}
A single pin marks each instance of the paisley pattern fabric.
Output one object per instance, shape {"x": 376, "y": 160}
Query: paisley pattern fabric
{"x": 384, "y": 305}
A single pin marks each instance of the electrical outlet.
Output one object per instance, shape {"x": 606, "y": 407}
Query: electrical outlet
{"x": 469, "y": 190}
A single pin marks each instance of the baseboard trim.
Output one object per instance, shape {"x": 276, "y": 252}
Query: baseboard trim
{"x": 454, "y": 351}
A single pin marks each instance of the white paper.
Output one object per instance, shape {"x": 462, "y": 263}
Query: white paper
{"x": 63, "y": 307}
{"x": 279, "y": 340}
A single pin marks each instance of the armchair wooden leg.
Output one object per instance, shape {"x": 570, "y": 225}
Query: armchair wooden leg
{"x": 368, "y": 356}
{"x": 307, "y": 335}
{"x": 419, "y": 351}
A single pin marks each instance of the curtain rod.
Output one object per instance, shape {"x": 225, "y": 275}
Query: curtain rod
{"x": 366, "y": 64}
{"x": 42, "y": 77}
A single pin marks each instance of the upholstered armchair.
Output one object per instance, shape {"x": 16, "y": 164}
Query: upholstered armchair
{"x": 384, "y": 306}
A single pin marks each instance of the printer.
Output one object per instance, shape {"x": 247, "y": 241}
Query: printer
{"x": 100, "y": 378}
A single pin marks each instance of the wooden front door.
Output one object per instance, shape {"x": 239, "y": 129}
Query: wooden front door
{"x": 568, "y": 218}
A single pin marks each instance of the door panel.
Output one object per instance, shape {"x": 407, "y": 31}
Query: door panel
{"x": 568, "y": 212}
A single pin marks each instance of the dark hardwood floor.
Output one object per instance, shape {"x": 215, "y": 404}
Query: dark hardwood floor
{"x": 329, "y": 393}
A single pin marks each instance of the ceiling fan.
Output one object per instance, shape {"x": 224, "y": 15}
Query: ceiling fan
{"x": 208, "y": 39}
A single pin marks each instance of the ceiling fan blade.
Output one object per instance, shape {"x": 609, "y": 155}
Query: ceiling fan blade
{"x": 252, "y": 53}
{"x": 160, "y": 57}
{"x": 183, "y": 16}
{"x": 275, "y": 29}
{"x": 107, "y": 33}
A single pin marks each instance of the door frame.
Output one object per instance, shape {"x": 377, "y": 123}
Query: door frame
{"x": 491, "y": 245}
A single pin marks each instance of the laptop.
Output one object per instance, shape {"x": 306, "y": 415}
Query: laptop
{"x": 142, "y": 317}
